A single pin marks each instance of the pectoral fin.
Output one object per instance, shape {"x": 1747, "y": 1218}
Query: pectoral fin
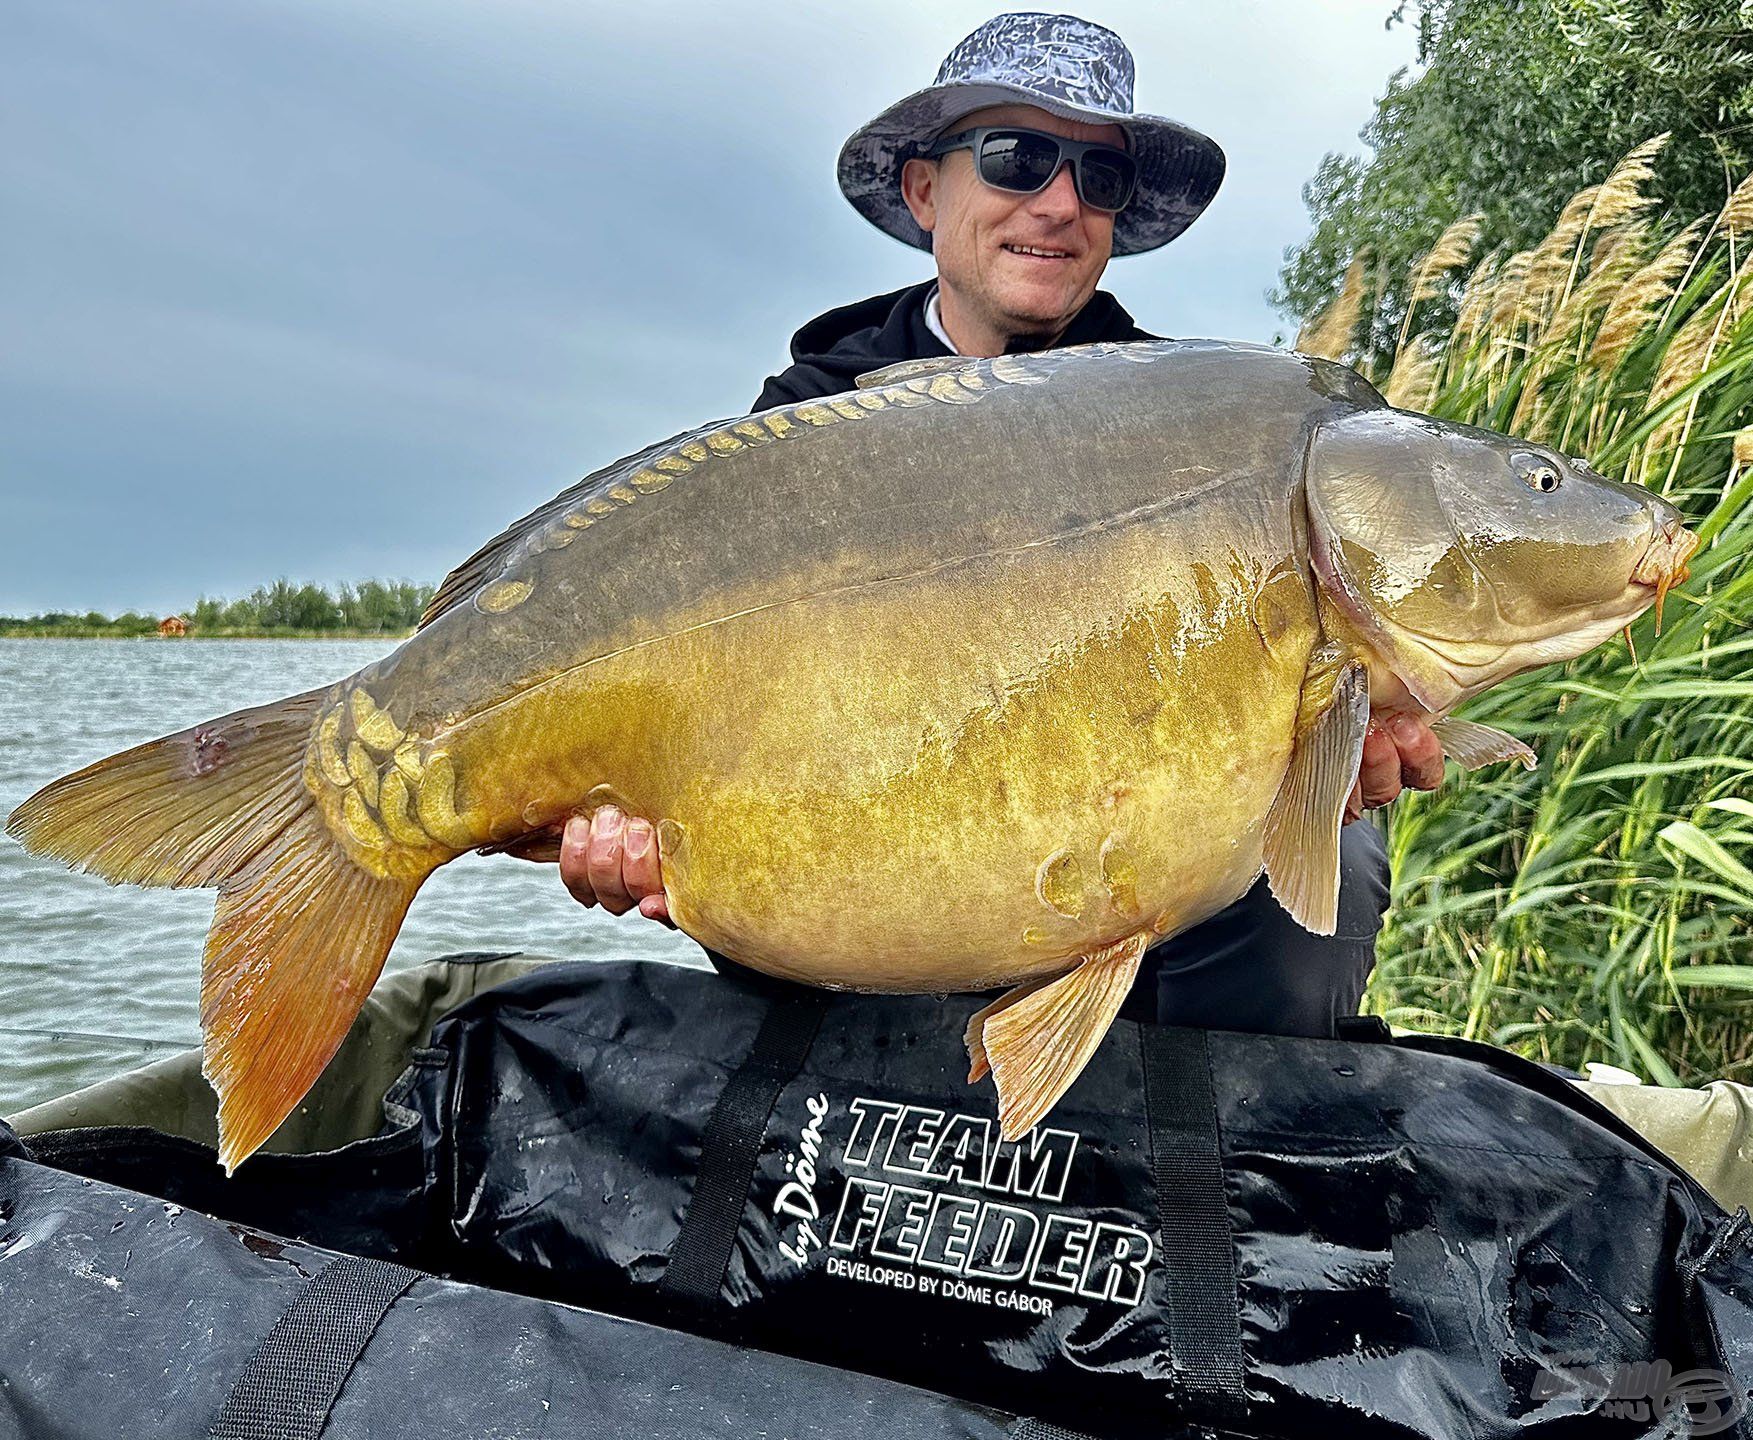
{"x": 1302, "y": 828}
{"x": 1037, "y": 1038}
{"x": 1471, "y": 745}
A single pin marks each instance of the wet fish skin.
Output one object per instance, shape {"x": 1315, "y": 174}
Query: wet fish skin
{"x": 916, "y": 652}
{"x": 981, "y": 676}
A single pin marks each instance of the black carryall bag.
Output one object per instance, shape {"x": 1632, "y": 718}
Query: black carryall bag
{"x": 1266, "y": 1235}
{"x": 126, "y": 1318}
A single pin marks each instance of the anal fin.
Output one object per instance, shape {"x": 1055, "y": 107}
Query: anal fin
{"x": 1302, "y": 827}
{"x": 1471, "y": 745}
{"x": 1036, "y": 1039}
{"x": 979, "y": 1063}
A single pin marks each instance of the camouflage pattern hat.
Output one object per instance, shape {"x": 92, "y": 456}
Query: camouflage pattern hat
{"x": 1058, "y": 63}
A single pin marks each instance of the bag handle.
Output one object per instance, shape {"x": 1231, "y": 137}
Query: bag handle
{"x": 730, "y": 1146}
{"x": 1198, "y": 1249}
{"x": 290, "y": 1384}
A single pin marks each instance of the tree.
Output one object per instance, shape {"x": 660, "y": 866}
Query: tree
{"x": 313, "y": 608}
{"x": 1519, "y": 103}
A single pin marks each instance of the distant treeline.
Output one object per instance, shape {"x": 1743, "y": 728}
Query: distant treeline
{"x": 370, "y": 607}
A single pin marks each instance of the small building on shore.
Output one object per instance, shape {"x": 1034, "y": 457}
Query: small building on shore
{"x": 173, "y": 627}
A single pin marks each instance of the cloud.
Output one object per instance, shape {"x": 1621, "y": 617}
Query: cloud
{"x": 331, "y": 289}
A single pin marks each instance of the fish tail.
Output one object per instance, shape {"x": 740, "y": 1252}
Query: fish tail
{"x": 300, "y": 930}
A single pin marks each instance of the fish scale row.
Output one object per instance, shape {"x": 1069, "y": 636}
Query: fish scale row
{"x": 390, "y": 797}
{"x": 965, "y": 383}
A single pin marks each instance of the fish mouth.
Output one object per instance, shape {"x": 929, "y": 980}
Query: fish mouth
{"x": 1663, "y": 565}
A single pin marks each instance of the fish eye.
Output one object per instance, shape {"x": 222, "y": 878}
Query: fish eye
{"x": 1539, "y": 475}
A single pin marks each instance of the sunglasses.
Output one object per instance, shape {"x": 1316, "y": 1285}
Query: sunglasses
{"x": 1024, "y": 161}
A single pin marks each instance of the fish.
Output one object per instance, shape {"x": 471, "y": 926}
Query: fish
{"x": 988, "y": 673}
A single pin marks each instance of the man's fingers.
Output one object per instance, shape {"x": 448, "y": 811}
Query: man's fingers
{"x": 610, "y": 860}
{"x": 641, "y": 872}
{"x": 574, "y": 860}
{"x": 1421, "y": 753}
{"x": 1380, "y": 771}
{"x": 644, "y": 872}
{"x": 604, "y": 856}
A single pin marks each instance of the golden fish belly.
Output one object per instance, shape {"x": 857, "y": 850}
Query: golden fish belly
{"x": 946, "y": 781}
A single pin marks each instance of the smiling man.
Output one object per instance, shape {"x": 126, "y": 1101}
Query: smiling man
{"x": 1014, "y": 273}
{"x": 1022, "y": 169}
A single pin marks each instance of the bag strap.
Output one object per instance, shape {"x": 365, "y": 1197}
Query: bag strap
{"x": 290, "y": 1384}
{"x": 1205, "y": 1333}
{"x": 1030, "y": 1429}
{"x": 730, "y": 1146}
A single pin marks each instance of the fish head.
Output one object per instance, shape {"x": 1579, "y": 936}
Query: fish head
{"x": 1458, "y": 557}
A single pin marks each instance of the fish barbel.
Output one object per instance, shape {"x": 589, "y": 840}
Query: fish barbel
{"x": 988, "y": 673}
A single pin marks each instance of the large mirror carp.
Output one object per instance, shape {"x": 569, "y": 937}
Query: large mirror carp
{"x": 987, "y": 673}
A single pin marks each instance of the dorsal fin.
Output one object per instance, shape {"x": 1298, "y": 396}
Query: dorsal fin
{"x": 911, "y": 370}
{"x": 493, "y": 557}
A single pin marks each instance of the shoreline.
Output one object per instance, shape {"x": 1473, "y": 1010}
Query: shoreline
{"x": 55, "y": 634}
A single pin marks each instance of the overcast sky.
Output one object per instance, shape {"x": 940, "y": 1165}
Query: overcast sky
{"x": 328, "y": 289}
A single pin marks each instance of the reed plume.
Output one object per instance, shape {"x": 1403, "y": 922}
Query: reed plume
{"x": 1610, "y": 269}
{"x": 1412, "y": 382}
{"x": 1636, "y": 303}
{"x": 1506, "y": 300}
{"x": 1430, "y": 274}
{"x": 1553, "y": 258}
{"x": 1330, "y": 333}
{"x": 1476, "y": 298}
{"x": 1737, "y": 213}
{"x": 1619, "y": 199}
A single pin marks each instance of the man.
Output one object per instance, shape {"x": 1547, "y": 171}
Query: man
{"x": 1021, "y": 170}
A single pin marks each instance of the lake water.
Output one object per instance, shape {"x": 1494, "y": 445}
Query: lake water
{"x": 95, "y": 980}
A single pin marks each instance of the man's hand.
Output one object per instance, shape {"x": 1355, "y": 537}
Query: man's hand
{"x": 1398, "y": 751}
{"x": 606, "y": 859}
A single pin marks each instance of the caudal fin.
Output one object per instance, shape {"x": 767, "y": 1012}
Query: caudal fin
{"x": 300, "y": 931}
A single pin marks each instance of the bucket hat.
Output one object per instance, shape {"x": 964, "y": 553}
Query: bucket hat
{"x": 1063, "y": 65}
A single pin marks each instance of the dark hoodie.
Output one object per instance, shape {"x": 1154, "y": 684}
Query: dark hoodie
{"x": 834, "y": 349}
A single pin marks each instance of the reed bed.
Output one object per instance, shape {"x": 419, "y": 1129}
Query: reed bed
{"x": 1599, "y": 908}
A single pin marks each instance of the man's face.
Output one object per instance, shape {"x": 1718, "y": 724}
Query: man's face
{"x": 989, "y": 243}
